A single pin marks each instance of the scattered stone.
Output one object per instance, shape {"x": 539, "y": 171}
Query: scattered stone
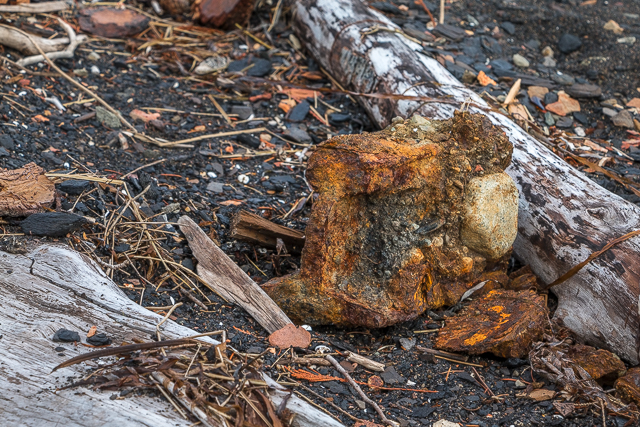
{"x": 565, "y": 105}
{"x": 449, "y": 31}
{"x": 508, "y": 27}
{"x": 407, "y": 343}
{"x": 399, "y": 234}
{"x": 580, "y": 132}
{"x": 249, "y": 140}
{"x": 299, "y": 112}
{"x": 581, "y": 117}
{"x": 445, "y": 423}
{"x": 468, "y": 77}
{"x": 223, "y": 14}
{"x": 562, "y": 79}
{"x": 243, "y": 111}
{"x": 547, "y": 52}
{"x": 99, "y": 340}
{"x": 391, "y": 377}
{"x": 25, "y": 191}
{"x": 74, "y": 187}
{"x": 520, "y": 61}
{"x": 64, "y": 335}
{"x": 93, "y": 56}
{"x": 4, "y": 152}
{"x": 107, "y": 118}
{"x": 504, "y": 323}
{"x": 212, "y": 64}
{"x": 564, "y": 122}
{"x": 623, "y": 119}
{"x": 215, "y": 187}
{"x": 548, "y": 119}
{"x": 387, "y": 7}
{"x": 550, "y": 98}
{"x": 610, "y": 112}
{"x": 627, "y": 40}
{"x": 569, "y": 43}
{"x": 7, "y": 142}
{"x": 490, "y": 221}
{"x": 538, "y": 91}
{"x": 81, "y": 72}
{"x": 290, "y": 336}
{"x": 634, "y": 103}
{"x": 628, "y": 386}
{"x": 583, "y": 90}
{"x": 261, "y": 67}
{"x": 53, "y": 224}
{"x": 112, "y": 23}
{"x": 298, "y": 134}
{"x": 549, "y": 62}
{"x": 612, "y": 25}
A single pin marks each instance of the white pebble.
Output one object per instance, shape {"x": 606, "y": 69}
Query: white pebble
{"x": 212, "y": 175}
{"x": 322, "y": 349}
{"x": 243, "y": 179}
{"x": 306, "y": 328}
{"x": 95, "y": 69}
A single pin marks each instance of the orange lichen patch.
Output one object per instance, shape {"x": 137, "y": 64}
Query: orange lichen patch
{"x": 383, "y": 239}
{"x": 25, "y": 191}
{"x": 510, "y": 322}
{"x": 628, "y": 386}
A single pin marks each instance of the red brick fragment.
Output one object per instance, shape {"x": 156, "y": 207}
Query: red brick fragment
{"x": 112, "y": 23}
{"x": 290, "y": 336}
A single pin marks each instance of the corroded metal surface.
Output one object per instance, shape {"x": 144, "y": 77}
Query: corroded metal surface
{"x": 383, "y": 241}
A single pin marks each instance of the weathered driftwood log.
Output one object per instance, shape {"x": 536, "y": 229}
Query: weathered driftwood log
{"x": 254, "y": 229}
{"x": 563, "y": 216}
{"x": 53, "y": 287}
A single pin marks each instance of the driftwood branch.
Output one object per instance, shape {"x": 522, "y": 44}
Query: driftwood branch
{"x": 563, "y": 215}
{"x": 46, "y": 7}
{"x": 254, "y": 229}
{"x": 222, "y": 275}
{"x": 9, "y": 37}
{"x": 53, "y": 287}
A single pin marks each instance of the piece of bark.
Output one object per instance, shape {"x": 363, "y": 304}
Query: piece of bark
{"x": 25, "y": 191}
{"x": 628, "y": 386}
{"x": 112, "y": 23}
{"x": 53, "y": 287}
{"x": 224, "y": 277}
{"x": 256, "y": 230}
{"x": 504, "y": 323}
{"x": 563, "y": 217}
{"x": 53, "y": 224}
{"x": 223, "y": 14}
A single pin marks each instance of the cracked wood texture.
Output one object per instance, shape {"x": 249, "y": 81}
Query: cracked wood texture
{"x": 229, "y": 281}
{"x": 53, "y": 287}
{"x": 563, "y": 216}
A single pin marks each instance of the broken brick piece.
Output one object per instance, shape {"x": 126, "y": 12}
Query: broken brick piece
{"x": 109, "y": 22}
{"x": 25, "y": 191}
{"x": 504, "y": 323}
{"x": 628, "y": 386}
{"x": 290, "y": 336}
{"x": 384, "y": 241}
{"x": 224, "y": 14}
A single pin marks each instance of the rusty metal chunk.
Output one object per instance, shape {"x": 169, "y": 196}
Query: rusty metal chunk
{"x": 502, "y": 322}
{"x": 628, "y": 386}
{"x": 25, "y": 191}
{"x": 384, "y": 241}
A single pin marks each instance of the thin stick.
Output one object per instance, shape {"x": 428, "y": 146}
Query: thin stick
{"x": 165, "y": 318}
{"x": 364, "y": 397}
{"x": 442, "y": 11}
{"x": 459, "y": 361}
{"x": 221, "y": 110}
{"x": 143, "y": 167}
{"x": 328, "y": 402}
{"x": 171, "y": 401}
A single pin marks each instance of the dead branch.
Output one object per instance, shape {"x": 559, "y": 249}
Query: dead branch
{"x": 256, "y": 230}
{"x": 74, "y": 41}
{"x": 46, "y": 7}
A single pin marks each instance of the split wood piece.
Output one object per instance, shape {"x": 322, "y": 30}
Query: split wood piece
{"x": 53, "y": 287}
{"x": 222, "y": 275}
{"x": 365, "y": 362}
{"x": 25, "y": 191}
{"x": 45, "y": 7}
{"x": 254, "y": 229}
{"x": 9, "y": 37}
{"x": 564, "y": 216}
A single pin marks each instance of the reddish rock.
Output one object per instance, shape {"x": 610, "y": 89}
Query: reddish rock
{"x": 290, "y": 336}
{"x": 564, "y": 105}
{"x": 628, "y": 386}
{"x": 224, "y": 14}
{"x": 601, "y": 365}
{"x": 25, "y": 191}
{"x": 384, "y": 242}
{"x": 112, "y": 23}
{"x": 503, "y": 322}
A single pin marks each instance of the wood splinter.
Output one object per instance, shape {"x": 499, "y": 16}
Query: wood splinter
{"x": 254, "y": 229}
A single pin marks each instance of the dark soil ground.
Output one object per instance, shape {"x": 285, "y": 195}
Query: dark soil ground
{"x": 217, "y": 176}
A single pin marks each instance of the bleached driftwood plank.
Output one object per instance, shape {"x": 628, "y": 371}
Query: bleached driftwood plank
{"x": 53, "y": 287}
{"x": 564, "y": 216}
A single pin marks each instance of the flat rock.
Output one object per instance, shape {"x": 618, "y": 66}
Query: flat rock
{"x": 502, "y": 322}
{"x": 74, "y": 186}
{"x": 107, "y": 118}
{"x": 112, "y": 23}
{"x": 376, "y": 232}
{"x": 564, "y": 105}
{"x": 538, "y": 91}
{"x": 569, "y": 43}
{"x": 223, "y": 14}
{"x": 520, "y": 61}
{"x": 53, "y": 224}
{"x": 623, "y": 119}
{"x": 582, "y": 90}
{"x": 450, "y": 32}
{"x": 628, "y": 386}
{"x": 25, "y": 191}
{"x": 290, "y": 336}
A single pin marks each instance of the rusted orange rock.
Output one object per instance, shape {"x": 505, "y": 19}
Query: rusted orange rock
{"x": 290, "y": 336}
{"x": 601, "y": 365}
{"x": 223, "y": 14}
{"x": 25, "y": 191}
{"x": 384, "y": 242}
{"x": 628, "y": 386}
{"x": 502, "y": 322}
{"x": 110, "y": 22}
